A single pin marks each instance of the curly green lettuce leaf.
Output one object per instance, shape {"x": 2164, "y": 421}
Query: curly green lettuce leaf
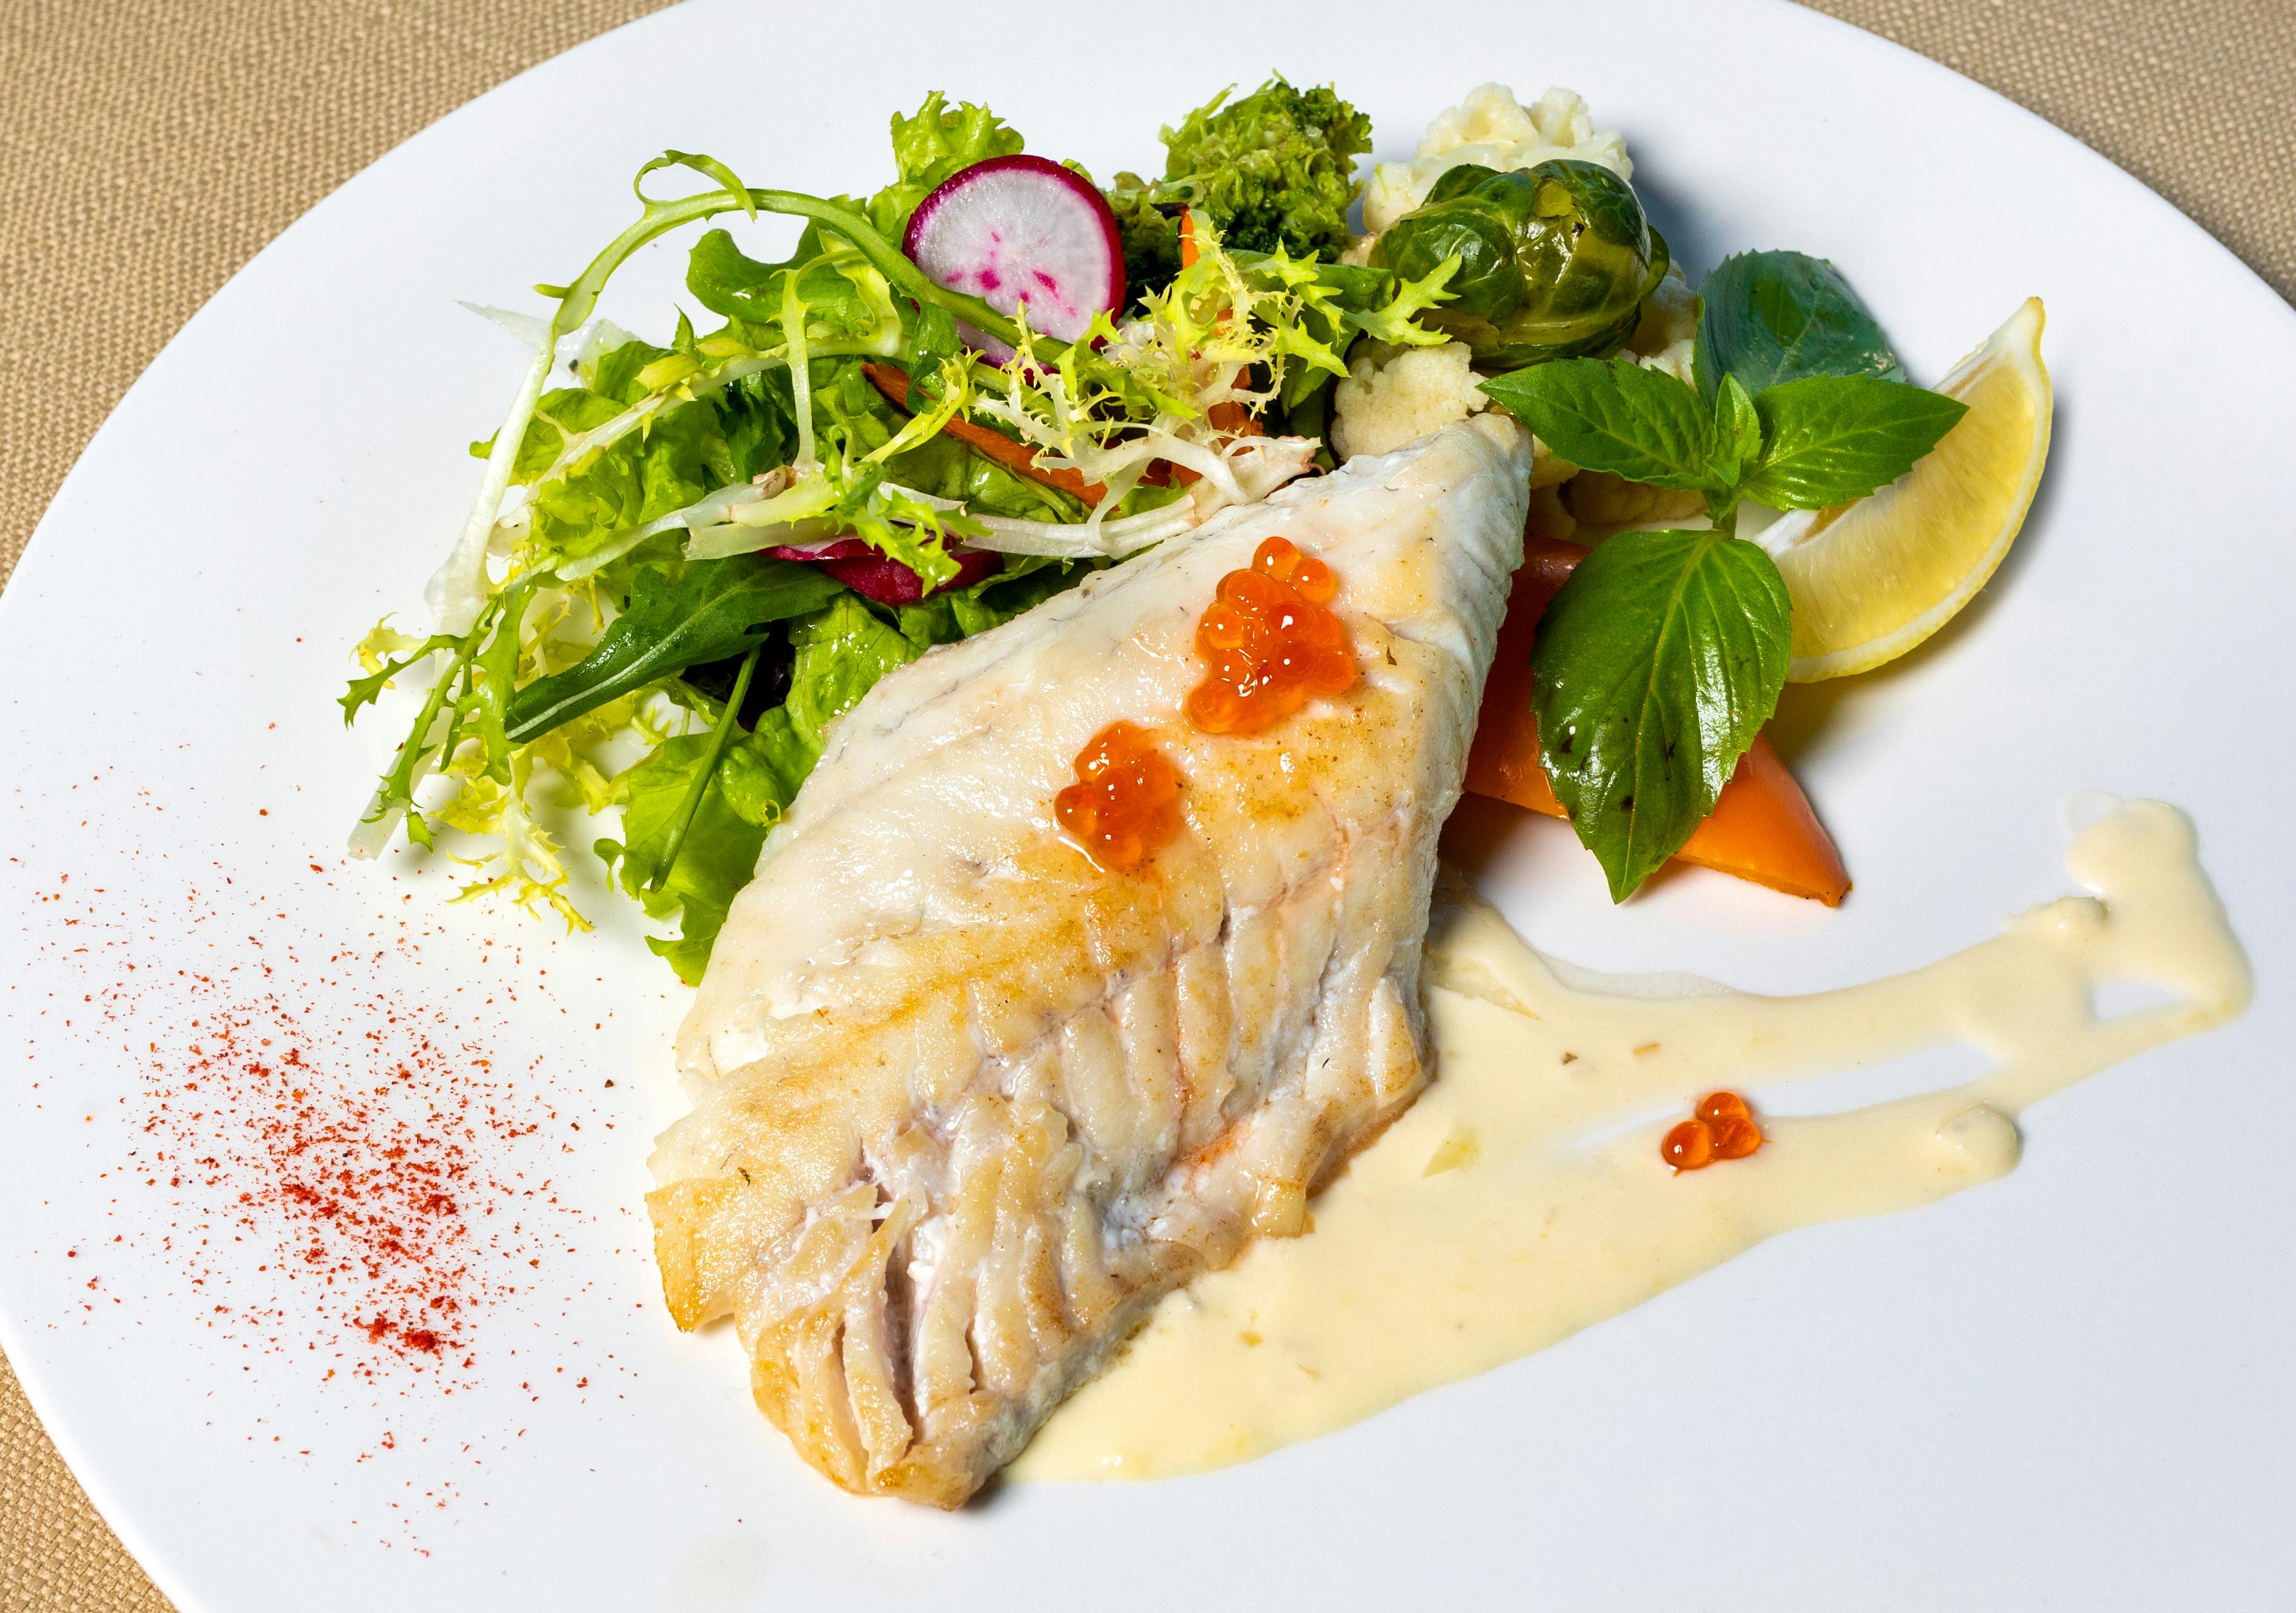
{"x": 841, "y": 652}
{"x": 842, "y": 295}
{"x": 1149, "y": 231}
{"x": 385, "y": 653}
{"x": 1396, "y": 321}
{"x": 688, "y": 449}
{"x": 761, "y": 773}
{"x": 930, "y": 146}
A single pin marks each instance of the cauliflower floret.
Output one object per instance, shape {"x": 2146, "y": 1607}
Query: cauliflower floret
{"x": 1393, "y": 396}
{"x": 1668, "y": 335}
{"x": 1397, "y": 395}
{"x": 1492, "y": 127}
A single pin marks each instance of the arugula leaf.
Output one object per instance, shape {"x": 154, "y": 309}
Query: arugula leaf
{"x": 1617, "y": 417}
{"x": 714, "y": 609}
{"x": 715, "y": 858}
{"x": 842, "y": 649}
{"x": 1655, "y": 666}
{"x": 1830, "y": 438}
{"x": 1771, "y": 317}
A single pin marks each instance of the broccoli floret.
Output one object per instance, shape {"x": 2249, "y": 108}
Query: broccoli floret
{"x": 1274, "y": 169}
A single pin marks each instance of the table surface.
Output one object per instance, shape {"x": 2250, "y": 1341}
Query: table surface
{"x": 223, "y": 120}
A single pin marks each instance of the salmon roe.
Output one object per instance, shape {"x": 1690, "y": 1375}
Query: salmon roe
{"x": 1270, "y": 643}
{"x": 1125, "y": 801}
{"x": 1724, "y": 1128}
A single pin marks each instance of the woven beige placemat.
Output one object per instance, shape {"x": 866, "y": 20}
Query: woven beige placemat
{"x": 148, "y": 148}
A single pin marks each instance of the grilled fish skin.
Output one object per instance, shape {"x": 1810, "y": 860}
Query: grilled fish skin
{"x": 964, "y": 1106}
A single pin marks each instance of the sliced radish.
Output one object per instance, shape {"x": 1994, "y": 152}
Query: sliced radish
{"x": 1021, "y": 229}
{"x": 876, "y": 576}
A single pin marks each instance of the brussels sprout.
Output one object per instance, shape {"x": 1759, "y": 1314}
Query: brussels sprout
{"x": 1553, "y": 261}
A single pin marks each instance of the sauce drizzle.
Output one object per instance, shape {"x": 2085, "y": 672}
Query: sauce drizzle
{"x": 1508, "y": 1209}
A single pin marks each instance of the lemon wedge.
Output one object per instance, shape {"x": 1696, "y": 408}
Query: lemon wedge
{"x": 1872, "y": 580}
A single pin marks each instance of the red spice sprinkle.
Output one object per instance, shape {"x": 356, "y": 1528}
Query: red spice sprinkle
{"x": 293, "y": 1103}
{"x": 318, "y": 1148}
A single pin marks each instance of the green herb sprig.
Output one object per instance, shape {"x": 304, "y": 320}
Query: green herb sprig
{"x": 1662, "y": 658}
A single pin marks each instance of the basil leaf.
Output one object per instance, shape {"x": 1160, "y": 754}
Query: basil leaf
{"x": 1831, "y": 439}
{"x": 1770, "y": 317}
{"x": 715, "y": 608}
{"x": 1656, "y": 665}
{"x": 1737, "y": 432}
{"x": 1639, "y": 424}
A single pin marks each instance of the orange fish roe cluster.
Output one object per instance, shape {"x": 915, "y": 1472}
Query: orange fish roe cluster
{"x": 1125, "y": 801}
{"x": 1270, "y": 642}
{"x": 1724, "y": 1128}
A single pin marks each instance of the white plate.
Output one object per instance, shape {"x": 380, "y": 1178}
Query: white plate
{"x": 2069, "y": 1388}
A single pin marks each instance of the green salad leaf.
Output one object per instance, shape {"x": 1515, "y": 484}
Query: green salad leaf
{"x": 715, "y": 852}
{"x": 1830, "y": 438}
{"x": 1770, "y": 317}
{"x": 691, "y": 867}
{"x": 841, "y": 652}
{"x": 658, "y": 474}
{"x": 712, "y": 610}
{"x": 1655, "y": 666}
{"x": 761, "y": 773}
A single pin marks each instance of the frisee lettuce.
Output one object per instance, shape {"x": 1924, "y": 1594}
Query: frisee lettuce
{"x": 609, "y": 591}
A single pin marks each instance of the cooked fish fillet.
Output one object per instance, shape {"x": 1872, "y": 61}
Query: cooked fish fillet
{"x": 964, "y": 1106}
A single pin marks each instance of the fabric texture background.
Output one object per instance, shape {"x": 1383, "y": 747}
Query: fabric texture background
{"x": 148, "y": 148}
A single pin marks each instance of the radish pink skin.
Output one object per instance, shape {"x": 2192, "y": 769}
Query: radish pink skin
{"x": 875, "y": 576}
{"x": 1021, "y": 228}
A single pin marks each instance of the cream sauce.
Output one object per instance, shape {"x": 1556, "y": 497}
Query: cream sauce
{"x": 1522, "y": 1197}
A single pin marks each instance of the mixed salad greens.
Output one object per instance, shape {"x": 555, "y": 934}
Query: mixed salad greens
{"x": 687, "y": 559}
